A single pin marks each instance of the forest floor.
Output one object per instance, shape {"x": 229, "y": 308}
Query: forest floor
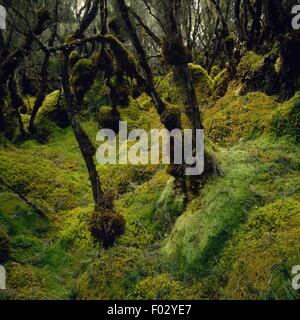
{"x": 239, "y": 238}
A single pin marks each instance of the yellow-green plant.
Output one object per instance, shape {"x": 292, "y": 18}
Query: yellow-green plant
{"x": 212, "y": 80}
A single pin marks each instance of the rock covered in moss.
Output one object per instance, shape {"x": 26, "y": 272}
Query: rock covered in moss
{"x": 4, "y": 246}
{"x": 52, "y": 113}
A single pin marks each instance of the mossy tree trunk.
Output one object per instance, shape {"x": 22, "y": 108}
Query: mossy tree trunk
{"x": 169, "y": 120}
{"x": 176, "y": 54}
{"x": 86, "y": 147}
{"x": 44, "y": 72}
{"x": 12, "y": 61}
{"x": 16, "y": 100}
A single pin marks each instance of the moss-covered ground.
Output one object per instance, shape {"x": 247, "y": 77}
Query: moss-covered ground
{"x": 239, "y": 238}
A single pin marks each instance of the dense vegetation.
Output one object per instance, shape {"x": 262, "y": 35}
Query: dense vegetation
{"x": 73, "y": 229}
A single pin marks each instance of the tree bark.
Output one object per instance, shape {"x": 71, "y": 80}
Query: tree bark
{"x": 86, "y": 147}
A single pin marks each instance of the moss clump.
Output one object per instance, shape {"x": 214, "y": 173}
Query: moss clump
{"x": 208, "y": 86}
{"x": 125, "y": 60}
{"x": 4, "y": 246}
{"x": 82, "y": 78}
{"x": 108, "y": 118}
{"x": 258, "y": 73}
{"x": 235, "y": 117}
{"x": 250, "y": 64}
{"x": 159, "y": 287}
{"x": 23, "y": 279}
{"x": 259, "y": 257}
{"x": 74, "y": 58}
{"x": 107, "y": 226}
{"x": 53, "y": 113}
{"x": 286, "y": 120}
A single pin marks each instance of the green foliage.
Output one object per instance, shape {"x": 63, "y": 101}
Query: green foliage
{"x": 74, "y": 58}
{"x": 250, "y": 64}
{"x": 82, "y": 78}
{"x": 286, "y": 120}
{"x": 234, "y": 117}
{"x": 51, "y": 116}
{"x": 159, "y": 287}
{"x": 200, "y": 233}
{"x": 208, "y": 84}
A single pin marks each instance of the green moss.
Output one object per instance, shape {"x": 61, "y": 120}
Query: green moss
{"x": 75, "y": 231}
{"x": 125, "y": 60}
{"x": 82, "y": 78}
{"x": 141, "y": 114}
{"x": 200, "y": 233}
{"x": 23, "y": 280}
{"x": 249, "y": 65}
{"x": 207, "y": 85}
{"x": 51, "y": 116}
{"x": 259, "y": 257}
{"x": 153, "y": 206}
{"x": 160, "y": 287}
{"x": 234, "y": 117}
{"x": 286, "y": 120}
{"x": 74, "y": 58}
